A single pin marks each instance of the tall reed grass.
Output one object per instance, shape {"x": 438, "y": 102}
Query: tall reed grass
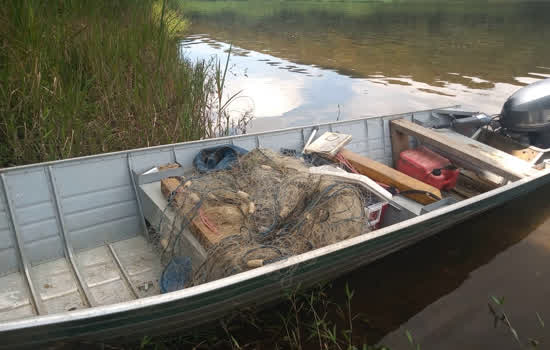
{"x": 83, "y": 77}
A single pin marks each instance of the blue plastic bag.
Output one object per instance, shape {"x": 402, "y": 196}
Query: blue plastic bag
{"x": 217, "y": 158}
{"x": 175, "y": 274}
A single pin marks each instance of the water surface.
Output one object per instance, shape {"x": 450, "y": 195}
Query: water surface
{"x": 306, "y": 62}
{"x": 439, "y": 289}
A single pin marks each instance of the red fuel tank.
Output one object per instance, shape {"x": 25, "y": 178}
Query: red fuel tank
{"x": 429, "y": 167}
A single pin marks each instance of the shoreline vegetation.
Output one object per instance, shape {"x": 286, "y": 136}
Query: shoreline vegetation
{"x": 305, "y": 319}
{"x": 81, "y": 78}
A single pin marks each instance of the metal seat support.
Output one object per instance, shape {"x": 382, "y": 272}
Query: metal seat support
{"x": 20, "y": 247}
{"x": 138, "y": 198}
{"x": 123, "y": 271}
{"x": 69, "y": 254}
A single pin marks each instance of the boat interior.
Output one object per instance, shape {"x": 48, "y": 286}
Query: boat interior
{"x": 78, "y": 233}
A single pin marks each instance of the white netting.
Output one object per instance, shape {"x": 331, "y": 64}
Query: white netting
{"x": 265, "y": 208}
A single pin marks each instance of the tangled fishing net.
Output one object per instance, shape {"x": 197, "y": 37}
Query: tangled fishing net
{"x": 265, "y": 208}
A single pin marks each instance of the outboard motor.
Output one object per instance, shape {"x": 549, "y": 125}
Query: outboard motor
{"x": 466, "y": 123}
{"x": 525, "y": 115}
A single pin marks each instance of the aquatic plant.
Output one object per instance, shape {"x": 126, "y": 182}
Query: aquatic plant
{"x": 307, "y": 318}
{"x": 501, "y": 317}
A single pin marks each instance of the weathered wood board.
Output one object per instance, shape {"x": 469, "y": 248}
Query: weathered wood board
{"x": 457, "y": 146}
{"x": 389, "y": 176}
{"x": 508, "y": 145}
{"x": 469, "y": 184}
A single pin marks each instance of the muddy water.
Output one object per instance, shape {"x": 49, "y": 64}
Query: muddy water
{"x": 304, "y": 62}
{"x": 299, "y": 63}
{"x": 439, "y": 289}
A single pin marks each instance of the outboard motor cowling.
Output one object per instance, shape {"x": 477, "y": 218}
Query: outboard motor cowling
{"x": 528, "y": 109}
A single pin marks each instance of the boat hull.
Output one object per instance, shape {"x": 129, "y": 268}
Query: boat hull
{"x": 180, "y": 312}
{"x": 168, "y": 313}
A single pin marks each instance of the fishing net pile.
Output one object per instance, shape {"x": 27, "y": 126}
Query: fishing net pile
{"x": 264, "y": 208}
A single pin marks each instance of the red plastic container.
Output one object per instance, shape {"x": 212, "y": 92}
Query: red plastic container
{"x": 375, "y": 213}
{"x": 429, "y": 167}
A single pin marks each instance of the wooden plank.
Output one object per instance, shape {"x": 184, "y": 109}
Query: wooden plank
{"x": 508, "y": 145}
{"x": 399, "y": 143}
{"x": 391, "y": 177}
{"x": 479, "y": 155}
{"x": 464, "y": 192}
{"x": 482, "y": 183}
{"x": 469, "y": 187}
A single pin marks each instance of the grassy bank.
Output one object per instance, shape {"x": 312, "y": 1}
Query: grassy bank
{"x": 83, "y": 77}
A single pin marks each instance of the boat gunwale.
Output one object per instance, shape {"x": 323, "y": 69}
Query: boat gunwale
{"x": 133, "y": 305}
{"x": 169, "y": 147}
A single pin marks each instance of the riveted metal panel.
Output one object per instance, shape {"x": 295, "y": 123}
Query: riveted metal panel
{"x": 8, "y": 258}
{"x": 355, "y": 128}
{"x": 35, "y": 213}
{"x": 39, "y": 230}
{"x": 45, "y": 249}
{"x": 84, "y": 219}
{"x": 291, "y": 139}
{"x": 145, "y": 160}
{"x": 247, "y": 143}
{"x": 28, "y": 187}
{"x": 33, "y": 209}
{"x": 87, "y": 177}
{"x": 107, "y": 231}
{"x": 6, "y": 239}
{"x": 97, "y": 199}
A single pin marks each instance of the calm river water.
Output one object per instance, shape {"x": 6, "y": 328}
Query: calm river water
{"x": 299, "y": 63}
